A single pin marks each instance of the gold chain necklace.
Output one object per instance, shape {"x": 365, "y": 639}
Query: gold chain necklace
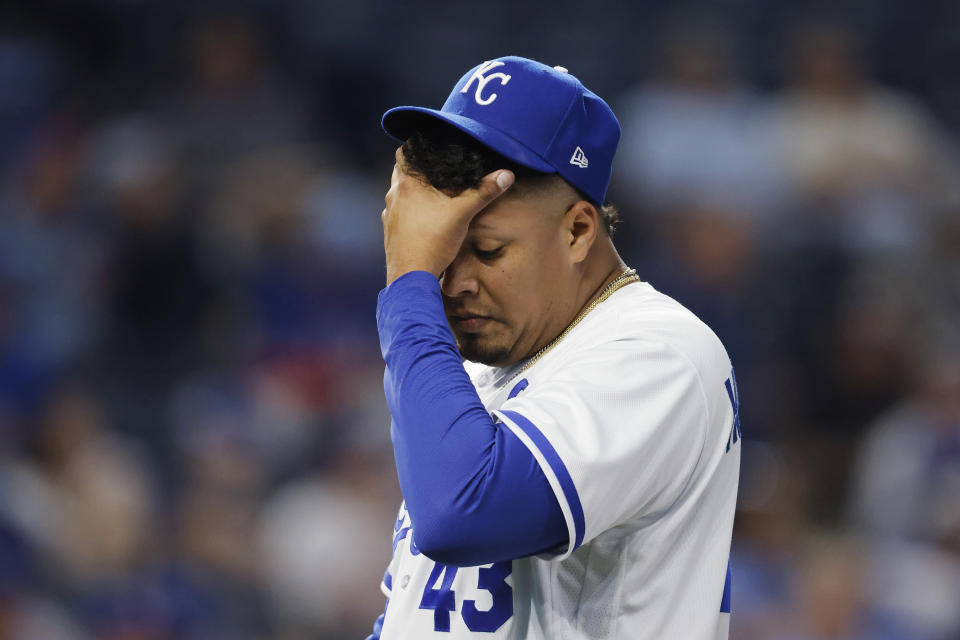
{"x": 625, "y": 278}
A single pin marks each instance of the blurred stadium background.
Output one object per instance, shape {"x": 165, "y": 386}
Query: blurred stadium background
{"x": 193, "y": 440}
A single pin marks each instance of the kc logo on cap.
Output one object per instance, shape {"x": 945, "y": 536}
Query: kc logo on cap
{"x": 537, "y": 116}
{"x": 482, "y": 81}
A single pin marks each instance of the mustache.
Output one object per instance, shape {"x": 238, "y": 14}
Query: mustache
{"x": 453, "y": 310}
{"x": 468, "y": 313}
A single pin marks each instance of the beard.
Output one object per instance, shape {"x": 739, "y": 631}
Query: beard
{"x": 477, "y": 348}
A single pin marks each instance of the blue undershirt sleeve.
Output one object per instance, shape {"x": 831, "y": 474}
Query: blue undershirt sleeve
{"x": 377, "y": 628}
{"x": 474, "y": 492}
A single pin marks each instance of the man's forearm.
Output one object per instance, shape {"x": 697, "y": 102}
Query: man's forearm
{"x": 474, "y": 492}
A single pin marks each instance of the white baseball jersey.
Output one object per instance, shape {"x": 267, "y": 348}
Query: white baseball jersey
{"x": 633, "y": 417}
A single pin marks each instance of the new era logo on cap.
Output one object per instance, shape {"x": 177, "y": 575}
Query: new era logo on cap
{"x": 531, "y": 113}
{"x": 579, "y": 158}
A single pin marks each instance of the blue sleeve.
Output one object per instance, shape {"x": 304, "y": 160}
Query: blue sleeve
{"x": 474, "y": 492}
{"x": 377, "y": 628}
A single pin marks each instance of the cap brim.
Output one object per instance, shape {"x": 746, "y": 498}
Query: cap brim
{"x": 401, "y": 122}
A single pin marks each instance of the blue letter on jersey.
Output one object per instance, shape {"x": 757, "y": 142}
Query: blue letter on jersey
{"x": 734, "y": 394}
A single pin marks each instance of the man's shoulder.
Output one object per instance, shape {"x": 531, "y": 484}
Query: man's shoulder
{"x": 641, "y": 314}
{"x": 637, "y": 320}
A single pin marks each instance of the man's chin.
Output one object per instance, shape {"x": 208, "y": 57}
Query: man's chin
{"x": 476, "y": 349}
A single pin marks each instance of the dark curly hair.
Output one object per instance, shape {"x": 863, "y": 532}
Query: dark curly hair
{"x": 451, "y": 161}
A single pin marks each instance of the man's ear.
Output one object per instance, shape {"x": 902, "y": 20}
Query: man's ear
{"x": 582, "y": 224}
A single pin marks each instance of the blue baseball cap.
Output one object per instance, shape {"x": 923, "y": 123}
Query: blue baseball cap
{"x": 538, "y": 116}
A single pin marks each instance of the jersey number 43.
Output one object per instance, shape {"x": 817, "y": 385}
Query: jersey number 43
{"x": 442, "y": 599}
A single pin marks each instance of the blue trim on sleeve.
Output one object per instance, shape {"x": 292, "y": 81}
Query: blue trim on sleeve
{"x": 388, "y": 580}
{"x": 725, "y": 600}
{"x": 559, "y": 469}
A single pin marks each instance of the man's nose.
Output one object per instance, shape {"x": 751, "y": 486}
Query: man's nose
{"x": 460, "y": 278}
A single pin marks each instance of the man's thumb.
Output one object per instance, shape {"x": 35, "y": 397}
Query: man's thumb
{"x": 504, "y": 180}
{"x": 492, "y": 185}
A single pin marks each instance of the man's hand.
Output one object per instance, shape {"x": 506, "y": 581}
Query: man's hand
{"x": 423, "y": 228}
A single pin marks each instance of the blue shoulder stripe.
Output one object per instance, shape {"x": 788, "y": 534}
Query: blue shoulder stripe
{"x": 559, "y": 469}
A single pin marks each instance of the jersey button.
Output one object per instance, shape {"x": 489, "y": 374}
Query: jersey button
{"x": 405, "y": 581}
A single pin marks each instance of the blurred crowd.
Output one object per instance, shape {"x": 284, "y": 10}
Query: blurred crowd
{"x": 193, "y": 437}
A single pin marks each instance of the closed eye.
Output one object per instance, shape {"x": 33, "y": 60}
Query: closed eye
{"x": 489, "y": 255}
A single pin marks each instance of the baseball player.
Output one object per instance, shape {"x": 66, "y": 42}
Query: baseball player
{"x": 566, "y": 437}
